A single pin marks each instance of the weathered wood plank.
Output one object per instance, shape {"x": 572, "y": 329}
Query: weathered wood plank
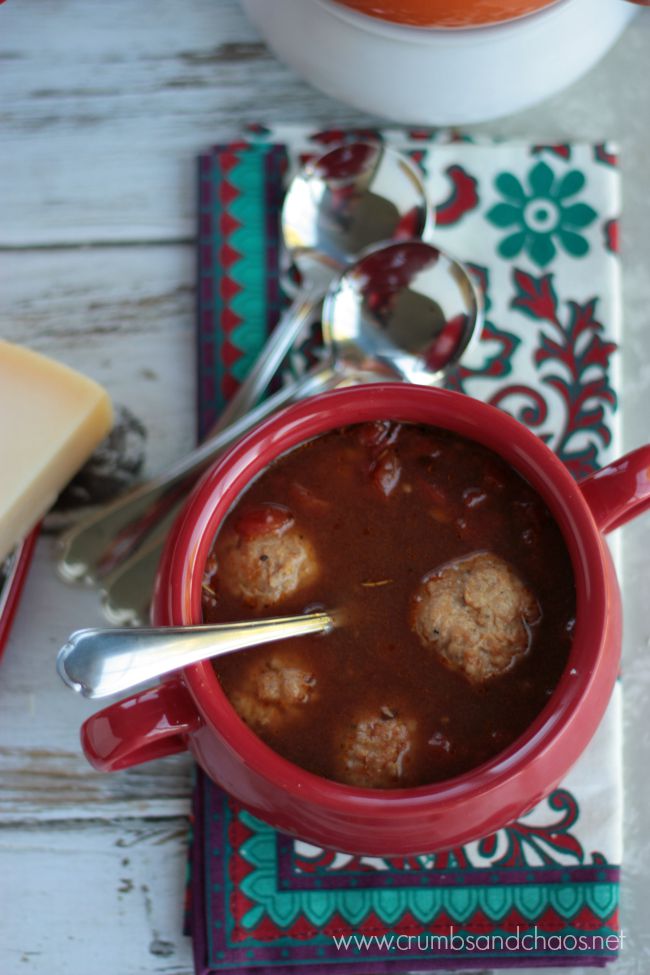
{"x": 102, "y": 116}
{"x": 105, "y": 898}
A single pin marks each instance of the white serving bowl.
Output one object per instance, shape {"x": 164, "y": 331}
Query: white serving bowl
{"x": 425, "y": 76}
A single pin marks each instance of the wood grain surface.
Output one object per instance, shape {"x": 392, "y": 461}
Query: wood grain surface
{"x": 104, "y": 108}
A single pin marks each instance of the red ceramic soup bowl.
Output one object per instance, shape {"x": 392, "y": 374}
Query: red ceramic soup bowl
{"x": 190, "y": 711}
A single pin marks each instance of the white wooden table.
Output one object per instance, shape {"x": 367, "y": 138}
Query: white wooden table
{"x": 104, "y": 106}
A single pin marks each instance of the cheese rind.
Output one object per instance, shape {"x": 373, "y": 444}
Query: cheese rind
{"x": 51, "y": 420}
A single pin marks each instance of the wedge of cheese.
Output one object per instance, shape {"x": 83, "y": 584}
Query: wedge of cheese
{"x": 51, "y": 420}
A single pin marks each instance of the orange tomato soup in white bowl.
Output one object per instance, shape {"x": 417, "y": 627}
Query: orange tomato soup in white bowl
{"x": 446, "y": 13}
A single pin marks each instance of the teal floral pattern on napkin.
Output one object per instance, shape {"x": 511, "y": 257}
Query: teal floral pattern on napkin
{"x": 544, "y": 216}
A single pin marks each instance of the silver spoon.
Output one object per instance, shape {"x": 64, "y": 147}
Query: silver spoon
{"x": 126, "y": 592}
{"x": 351, "y": 196}
{"x": 338, "y": 205}
{"x": 97, "y": 663}
{"x": 406, "y": 310}
{"x": 403, "y": 311}
{"x": 92, "y": 548}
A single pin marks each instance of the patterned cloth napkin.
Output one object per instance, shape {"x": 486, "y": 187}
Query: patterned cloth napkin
{"x": 538, "y": 226}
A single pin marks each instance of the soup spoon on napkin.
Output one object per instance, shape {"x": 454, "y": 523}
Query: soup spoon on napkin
{"x": 337, "y": 206}
{"x": 405, "y": 310}
{"x": 100, "y": 662}
{"x": 351, "y": 197}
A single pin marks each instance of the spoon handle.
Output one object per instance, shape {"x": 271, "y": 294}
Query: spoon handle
{"x": 97, "y": 662}
{"x": 126, "y": 592}
{"x": 276, "y": 347}
{"x": 95, "y": 546}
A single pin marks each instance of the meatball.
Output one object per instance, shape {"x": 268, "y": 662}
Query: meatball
{"x": 375, "y": 751}
{"x": 264, "y": 557}
{"x": 476, "y": 613}
{"x": 272, "y": 692}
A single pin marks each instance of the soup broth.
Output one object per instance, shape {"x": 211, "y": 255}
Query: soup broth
{"x": 456, "y": 591}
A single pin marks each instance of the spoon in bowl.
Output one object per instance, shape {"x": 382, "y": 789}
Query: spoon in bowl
{"x": 98, "y": 662}
{"x": 348, "y": 199}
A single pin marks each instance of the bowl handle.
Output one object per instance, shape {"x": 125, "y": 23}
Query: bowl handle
{"x": 621, "y": 491}
{"x": 147, "y": 725}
